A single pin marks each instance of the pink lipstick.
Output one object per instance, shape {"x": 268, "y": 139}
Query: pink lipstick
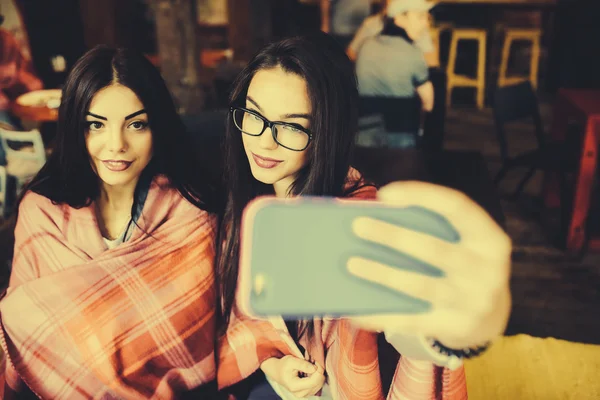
{"x": 265, "y": 162}
{"x": 116, "y": 165}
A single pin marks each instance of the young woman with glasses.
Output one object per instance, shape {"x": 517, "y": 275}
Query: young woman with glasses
{"x": 290, "y": 132}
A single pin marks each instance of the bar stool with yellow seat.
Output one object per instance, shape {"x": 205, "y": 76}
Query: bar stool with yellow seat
{"x": 513, "y": 34}
{"x": 456, "y": 80}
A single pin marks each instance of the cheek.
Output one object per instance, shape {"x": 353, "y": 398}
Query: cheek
{"x": 246, "y": 140}
{"x": 93, "y": 145}
{"x": 93, "y": 150}
{"x": 299, "y": 160}
{"x": 149, "y": 147}
{"x": 142, "y": 145}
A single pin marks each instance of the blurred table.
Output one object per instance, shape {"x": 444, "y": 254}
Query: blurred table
{"x": 582, "y": 105}
{"x": 37, "y": 106}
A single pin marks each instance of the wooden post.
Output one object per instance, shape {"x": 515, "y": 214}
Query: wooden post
{"x": 179, "y": 52}
{"x": 100, "y": 22}
{"x": 249, "y": 26}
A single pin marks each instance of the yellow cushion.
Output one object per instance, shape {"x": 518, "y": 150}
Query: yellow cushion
{"x": 524, "y": 367}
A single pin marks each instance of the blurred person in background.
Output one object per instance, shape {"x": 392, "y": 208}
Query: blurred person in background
{"x": 342, "y": 18}
{"x": 16, "y": 77}
{"x": 392, "y": 65}
{"x": 373, "y": 26}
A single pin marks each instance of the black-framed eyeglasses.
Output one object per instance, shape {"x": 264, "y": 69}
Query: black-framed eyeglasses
{"x": 291, "y": 136}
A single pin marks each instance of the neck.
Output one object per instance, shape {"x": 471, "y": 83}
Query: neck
{"x": 396, "y": 28}
{"x": 116, "y": 198}
{"x": 282, "y": 187}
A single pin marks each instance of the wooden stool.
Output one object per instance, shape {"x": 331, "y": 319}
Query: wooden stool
{"x": 455, "y": 80}
{"x": 531, "y": 35}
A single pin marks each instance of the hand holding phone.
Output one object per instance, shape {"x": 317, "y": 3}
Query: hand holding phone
{"x": 471, "y": 305}
{"x": 295, "y": 252}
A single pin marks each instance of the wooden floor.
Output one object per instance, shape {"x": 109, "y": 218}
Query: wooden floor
{"x": 553, "y": 294}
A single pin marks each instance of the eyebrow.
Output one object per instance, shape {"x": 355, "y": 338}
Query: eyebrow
{"x": 97, "y": 116}
{"x": 135, "y": 114}
{"x": 285, "y": 116}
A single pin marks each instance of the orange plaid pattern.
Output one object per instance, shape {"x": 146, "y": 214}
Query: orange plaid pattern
{"x": 348, "y": 354}
{"x": 80, "y": 321}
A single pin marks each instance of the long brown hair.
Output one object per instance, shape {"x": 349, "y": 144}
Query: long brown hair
{"x": 68, "y": 178}
{"x": 332, "y": 90}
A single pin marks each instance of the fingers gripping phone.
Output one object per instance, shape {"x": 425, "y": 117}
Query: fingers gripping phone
{"x": 294, "y": 254}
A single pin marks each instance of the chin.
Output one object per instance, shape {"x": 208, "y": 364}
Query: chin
{"x": 265, "y": 177}
{"x": 109, "y": 180}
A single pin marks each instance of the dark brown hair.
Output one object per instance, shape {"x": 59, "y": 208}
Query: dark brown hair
{"x": 333, "y": 93}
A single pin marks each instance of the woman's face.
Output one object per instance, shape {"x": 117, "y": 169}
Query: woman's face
{"x": 279, "y": 96}
{"x": 118, "y": 138}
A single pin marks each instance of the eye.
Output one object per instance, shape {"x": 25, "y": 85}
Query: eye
{"x": 253, "y": 114}
{"x": 94, "y": 125}
{"x": 139, "y": 125}
{"x": 292, "y": 128}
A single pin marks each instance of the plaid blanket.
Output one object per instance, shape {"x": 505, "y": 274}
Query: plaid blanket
{"x": 348, "y": 354}
{"x": 80, "y": 321}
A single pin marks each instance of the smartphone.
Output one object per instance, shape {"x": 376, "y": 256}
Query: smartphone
{"x": 294, "y": 253}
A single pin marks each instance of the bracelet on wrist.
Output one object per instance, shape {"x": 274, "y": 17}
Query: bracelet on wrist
{"x": 466, "y": 353}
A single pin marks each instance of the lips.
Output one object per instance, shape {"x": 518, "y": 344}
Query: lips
{"x": 116, "y": 165}
{"x": 266, "y": 162}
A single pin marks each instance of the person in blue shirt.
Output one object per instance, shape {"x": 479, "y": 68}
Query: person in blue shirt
{"x": 342, "y": 18}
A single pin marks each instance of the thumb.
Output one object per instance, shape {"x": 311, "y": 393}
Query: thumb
{"x": 302, "y": 365}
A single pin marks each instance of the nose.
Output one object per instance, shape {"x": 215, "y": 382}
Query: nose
{"x": 116, "y": 141}
{"x": 267, "y": 141}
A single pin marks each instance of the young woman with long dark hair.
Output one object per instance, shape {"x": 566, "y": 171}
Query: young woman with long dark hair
{"x": 111, "y": 293}
{"x": 290, "y": 132}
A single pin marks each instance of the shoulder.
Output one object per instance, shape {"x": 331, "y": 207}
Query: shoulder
{"x": 374, "y": 23}
{"x": 38, "y": 213}
{"x": 416, "y": 50}
{"x": 404, "y": 46}
{"x": 371, "y": 48}
{"x": 35, "y": 202}
{"x": 417, "y": 57}
{"x": 371, "y": 26}
{"x": 180, "y": 206}
{"x": 406, "y": 52}
{"x": 357, "y": 187}
{"x": 384, "y": 44}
